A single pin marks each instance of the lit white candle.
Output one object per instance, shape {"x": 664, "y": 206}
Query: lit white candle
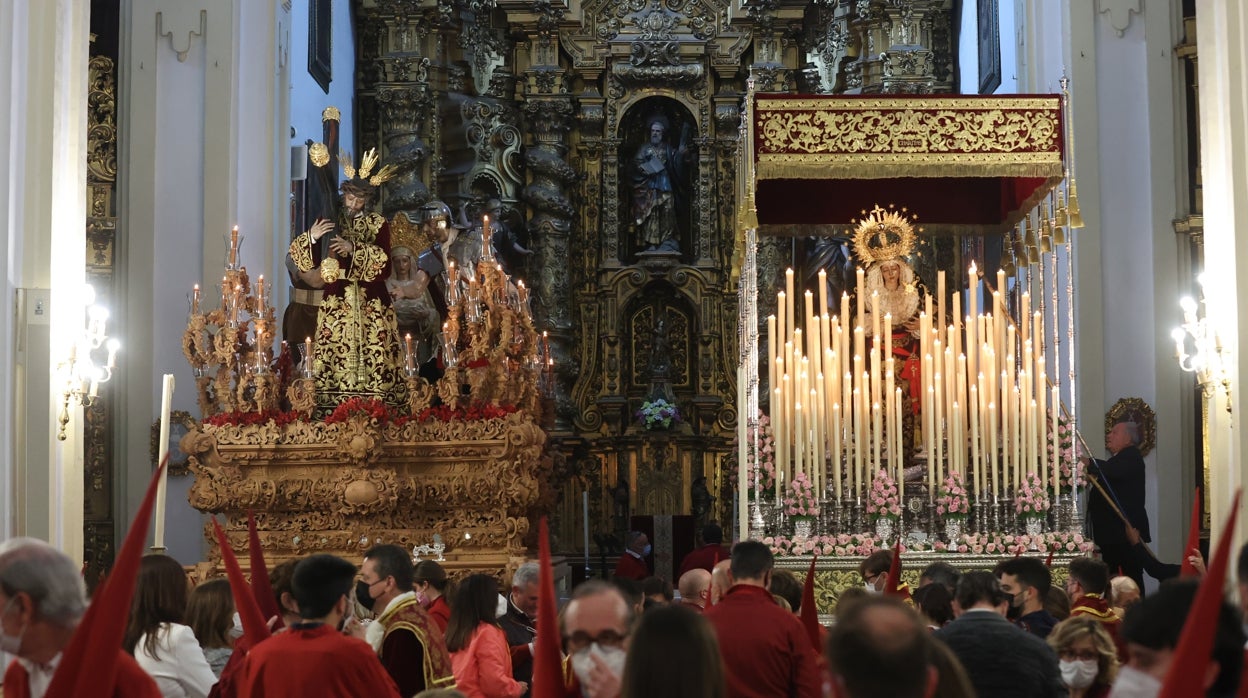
{"x": 823, "y": 292}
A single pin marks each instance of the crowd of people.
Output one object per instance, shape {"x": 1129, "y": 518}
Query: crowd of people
{"x": 732, "y": 627}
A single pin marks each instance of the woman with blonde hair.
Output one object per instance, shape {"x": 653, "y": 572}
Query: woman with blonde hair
{"x": 1087, "y": 656}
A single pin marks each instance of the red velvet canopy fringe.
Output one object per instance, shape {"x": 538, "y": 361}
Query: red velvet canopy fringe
{"x": 965, "y": 164}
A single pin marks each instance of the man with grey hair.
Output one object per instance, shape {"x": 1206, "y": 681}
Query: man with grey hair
{"x": 41, "y": 602}
{"x": 1121, "y": 480}
{"x": 519, "y": 622}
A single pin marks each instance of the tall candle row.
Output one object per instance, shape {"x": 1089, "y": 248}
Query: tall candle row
{"x": 984, "y": 396}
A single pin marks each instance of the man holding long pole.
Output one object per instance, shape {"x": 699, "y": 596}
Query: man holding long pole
{"x": 1117, "y": 499}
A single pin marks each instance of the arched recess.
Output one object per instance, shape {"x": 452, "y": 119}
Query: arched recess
{"x": 633, "y": 134}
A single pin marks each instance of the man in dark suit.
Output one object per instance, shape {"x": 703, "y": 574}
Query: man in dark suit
{"x": 1000, "y": 658}
{"x": 1122, "y": 477}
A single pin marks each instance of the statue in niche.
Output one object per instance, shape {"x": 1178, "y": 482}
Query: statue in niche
{"x": 701, "y": 499}
{"x": 619, "y": 498}
{"x": 659, "y": 187}
{"x": 661, "y": 357}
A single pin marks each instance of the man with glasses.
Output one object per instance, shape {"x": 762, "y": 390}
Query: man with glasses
{"x": 410, "y": 645}
{"x": 596, "y": 625}
{"x": 765, "y": 649}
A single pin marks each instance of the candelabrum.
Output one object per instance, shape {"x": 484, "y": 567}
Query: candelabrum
{"x": 489, "y": 346}
{"x": 1207, "y": 358}
{"x": 230, "y": 348}
{"x": 437, "y": 549}
{"x": 80, "y": 373}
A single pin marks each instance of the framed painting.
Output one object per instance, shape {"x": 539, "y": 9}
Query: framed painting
{"x": 320, "y": 42}
{"x": 988, "y": 22}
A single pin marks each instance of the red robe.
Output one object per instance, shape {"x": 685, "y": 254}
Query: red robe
{"x": 413, "y": 650}
{"x": 314, "y": 661}
{"x": 766, "y": 650}
{"x": 1096, "y": 607}
{"x": 131, "y": 682}
{"x": 440, "y": 613}
{"x": 704, "y": 557}
{"x": 631, "y": 567}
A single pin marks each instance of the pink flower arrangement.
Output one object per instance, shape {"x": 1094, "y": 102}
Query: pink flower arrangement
{"x": 762, "y": 466}
{"x": 858, "y": 545}
{"x": 1032, "y": 499}
{"x": 953, "y": 502}
{"x": 883, "y": 501}
{"x": 1068, "y": 455}
{"x": 800, "y": 500}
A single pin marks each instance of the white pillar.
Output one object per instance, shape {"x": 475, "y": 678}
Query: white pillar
{"x": 43, "y": 209}
{"x": 1222, "y": 29}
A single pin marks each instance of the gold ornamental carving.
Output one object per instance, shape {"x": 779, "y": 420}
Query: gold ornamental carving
{"x": 342, "y": 487}
{"x": 808, "y": 138}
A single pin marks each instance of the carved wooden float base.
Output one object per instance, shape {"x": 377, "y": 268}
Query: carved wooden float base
{"x": 342, "y": 488}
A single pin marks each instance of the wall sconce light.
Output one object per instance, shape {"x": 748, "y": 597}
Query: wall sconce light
{"x": 80, "y": 374}
{"x": 1206, "y": 359}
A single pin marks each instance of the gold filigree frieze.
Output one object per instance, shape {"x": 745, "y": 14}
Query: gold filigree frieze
{"x": 960, "y": 135}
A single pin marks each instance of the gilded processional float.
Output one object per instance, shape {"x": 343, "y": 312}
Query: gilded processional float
{"x": 925, "y": 412}
{"x": 357, "y": 436}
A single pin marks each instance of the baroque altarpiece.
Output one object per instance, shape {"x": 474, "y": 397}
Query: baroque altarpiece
{"x": 608, "y": 133}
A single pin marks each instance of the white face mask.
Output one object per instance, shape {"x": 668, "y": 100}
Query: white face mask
{"x": 1079, "y": 673}
{"x": 11, "y": 644}
{"x": 236, "y": 630}
{"x": 583, "y": 663}
{"x": 1133, "y": 683}
{"x": 501, "y": 609}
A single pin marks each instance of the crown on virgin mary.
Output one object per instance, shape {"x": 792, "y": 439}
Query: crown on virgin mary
{"x": 883, "y": 234}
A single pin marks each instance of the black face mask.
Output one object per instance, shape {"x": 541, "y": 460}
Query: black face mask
{"x": 1014, "y": 612}
{"x": 361, "y": 595}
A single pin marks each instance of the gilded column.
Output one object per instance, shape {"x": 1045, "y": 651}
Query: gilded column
{"x": 548, "y": 110}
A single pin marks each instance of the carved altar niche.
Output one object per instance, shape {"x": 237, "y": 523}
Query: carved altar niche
{"x": 679, "y": 143}
{"x": 341, "y": 488}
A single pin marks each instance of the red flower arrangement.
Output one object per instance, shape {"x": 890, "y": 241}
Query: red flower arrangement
{"x": 369, "y": 408}
{"x": 241, "y": 419}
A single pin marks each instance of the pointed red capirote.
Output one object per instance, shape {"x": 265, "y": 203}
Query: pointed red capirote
{"x": 810, "y": 614}
{"x": 1186, "y": 675}
{"x": 91, "y": 655}
{"x": 1186, "y": 568}
{"x": 547, "y": 653}
{"x": 261, "y": 587}
{"x": 892, "y": 587}
{"x": 254, "y": 628}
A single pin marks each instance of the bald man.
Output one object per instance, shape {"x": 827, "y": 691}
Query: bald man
{"x": 720, "y": 582}
{"x": 695, "y": 587}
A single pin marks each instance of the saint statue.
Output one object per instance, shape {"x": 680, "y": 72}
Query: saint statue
{"x": 882, "y": 241}
{"x": 658, "y": 172}
{"x": 356, "y": 348}
{"x": 414, "y": 309}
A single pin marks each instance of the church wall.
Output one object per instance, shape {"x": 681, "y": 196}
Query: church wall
{"x": 204, "y": 124}
{"x": 1138, "y": 201}
{"x": 307, "y": 99}
{"x": 43, "y": 209}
